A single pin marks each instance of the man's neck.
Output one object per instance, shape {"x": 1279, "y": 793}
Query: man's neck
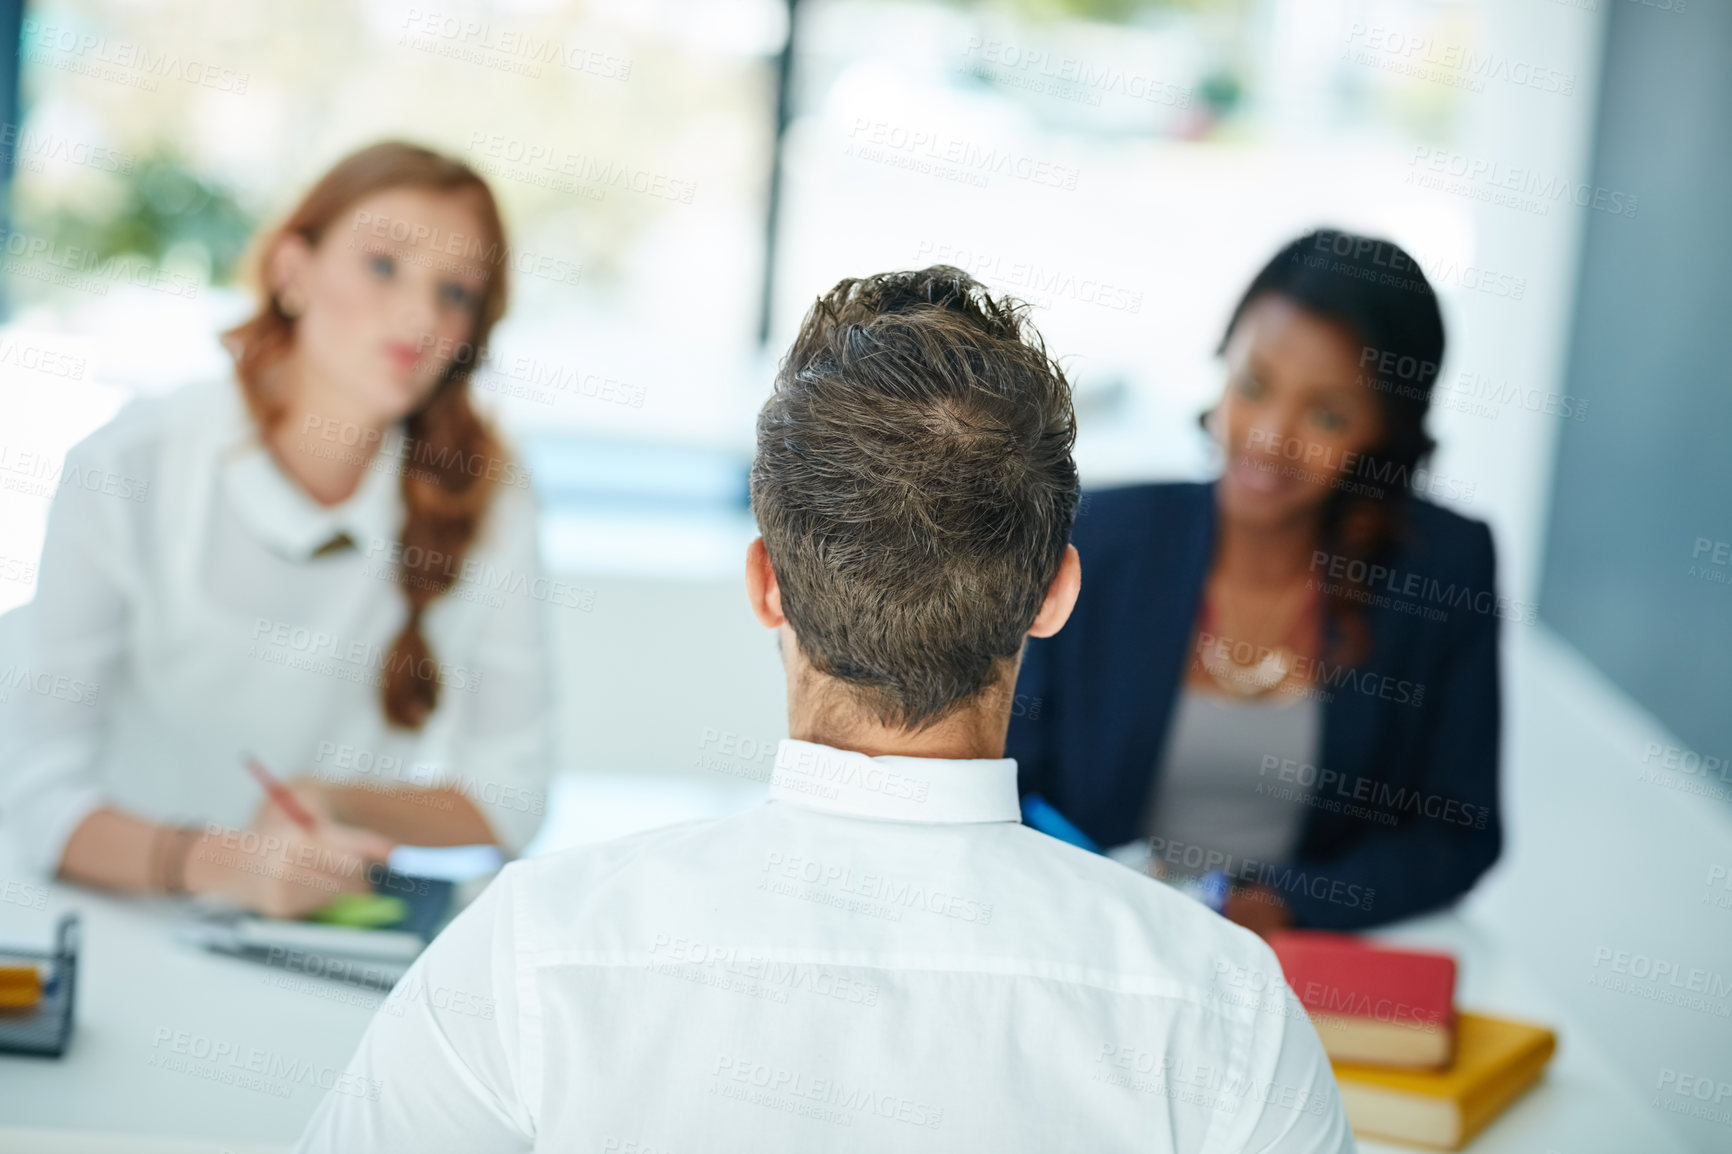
{"x": 824, "y": 711}
{"x": 826, "y": 718}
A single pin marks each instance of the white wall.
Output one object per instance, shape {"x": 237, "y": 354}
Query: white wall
{"x": 1510, "y": 457}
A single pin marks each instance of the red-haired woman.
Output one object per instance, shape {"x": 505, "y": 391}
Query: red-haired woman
{"x": 327, "y": 561}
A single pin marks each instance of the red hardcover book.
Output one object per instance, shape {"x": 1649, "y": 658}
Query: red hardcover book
{"x": 1372, "y": 1004}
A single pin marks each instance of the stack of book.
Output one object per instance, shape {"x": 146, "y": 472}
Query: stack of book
{"x": 1411, "y": 1067}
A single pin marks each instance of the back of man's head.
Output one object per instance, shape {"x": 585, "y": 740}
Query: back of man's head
{"x": 915, "y": 488}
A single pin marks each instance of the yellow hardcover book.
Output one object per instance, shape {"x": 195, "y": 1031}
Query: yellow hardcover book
{"x": 1496, "y": 1060}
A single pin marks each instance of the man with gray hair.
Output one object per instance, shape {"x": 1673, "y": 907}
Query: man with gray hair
{"x": 881, "y": 956}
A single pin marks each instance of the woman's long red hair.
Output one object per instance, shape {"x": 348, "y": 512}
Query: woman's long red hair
{"x": 443, "y": 497}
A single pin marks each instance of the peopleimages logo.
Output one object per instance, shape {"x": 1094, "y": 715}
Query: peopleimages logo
{"x": 33, "y": 897}
{"x": 1418, "y": 588}
{"x": 676, "y": 956}
{"x": 1414, "y": 378}
{"x": 37, "y": 358}
{"x": 45, "y": 684}
{"x": 927, "y": 150}
{"x": 1317, "y": 672}
{"x": 851, "y": 771}
{"x": 29, "y": 145}
{"x": 1667, "y": 971}
{"x": 394, "y": 449}
{"x": 1041, "y": 284}
{"x": 1458, "y": 65}
{"x": 1394, "y": 267}
{"x": 38, "y": 474}
{"x": 225, "y": 1060}
{"x": 871, "y": 886}
{"x": 1524, "y": 188}
{"x": 1316, "y": 463}
{"x": 1284, "y": 879}
{"x": 1206, "y": 1084}
{"x": 1384, "y": 796}
{"x": 1693, "y": 1095}
{"x": 561, "y": 168}
{"x": 311, "y": 650}
{"x": 850, "y": 1099}
{"x": 532, "y": 378}
{"x": 1070, "y": 76}
{"x": 137, "y": 65}
{"x": 503, "y": 48}
{"x": 482, "y": 575}
{"x": 1358, "y": 1004}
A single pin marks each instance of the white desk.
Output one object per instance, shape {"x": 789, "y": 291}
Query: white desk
{"x": 139, "y": 989}
{"x": 1582, "y": 1106}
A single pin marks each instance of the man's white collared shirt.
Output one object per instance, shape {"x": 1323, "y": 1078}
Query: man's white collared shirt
{"x": 880, "y": 957}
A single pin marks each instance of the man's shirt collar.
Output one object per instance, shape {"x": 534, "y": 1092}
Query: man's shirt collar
{"x": 921, "y": 789}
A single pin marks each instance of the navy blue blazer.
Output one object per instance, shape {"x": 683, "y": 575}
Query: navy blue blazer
{"x": 1405, "y": 817}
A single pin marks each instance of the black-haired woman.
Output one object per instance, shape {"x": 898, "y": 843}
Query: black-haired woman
{"x": 1285, "y": 682}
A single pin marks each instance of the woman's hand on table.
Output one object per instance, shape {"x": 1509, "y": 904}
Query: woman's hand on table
{"x": 278, "y": 869}
{"x": 1259, "y": 909}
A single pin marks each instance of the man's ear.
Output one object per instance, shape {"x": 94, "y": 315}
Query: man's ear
{"x": 762, "y": 591}
{"x": 1060, "y": 596}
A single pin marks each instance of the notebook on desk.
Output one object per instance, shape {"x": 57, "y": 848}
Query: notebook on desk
{"x": 374, "y": 957}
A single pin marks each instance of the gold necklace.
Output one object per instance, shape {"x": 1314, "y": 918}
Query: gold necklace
{"x": 1248, "y": 681}
{"x": 1251, "y": 680}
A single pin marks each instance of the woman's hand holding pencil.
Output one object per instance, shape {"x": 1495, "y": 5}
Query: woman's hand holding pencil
{"x": 295, "y": 859}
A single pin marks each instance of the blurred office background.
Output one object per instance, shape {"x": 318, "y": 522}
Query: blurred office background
{"x": 683, "y": 176}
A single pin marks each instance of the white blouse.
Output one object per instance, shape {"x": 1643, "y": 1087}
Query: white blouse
{"x": 187, "y": 613}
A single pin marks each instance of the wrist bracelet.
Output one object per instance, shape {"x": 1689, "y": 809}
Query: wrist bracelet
{"x": 175, "y": 843}
{"x": 153, "y": 860}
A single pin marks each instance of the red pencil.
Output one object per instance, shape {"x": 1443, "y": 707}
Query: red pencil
{"x": 279, "y": 793}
